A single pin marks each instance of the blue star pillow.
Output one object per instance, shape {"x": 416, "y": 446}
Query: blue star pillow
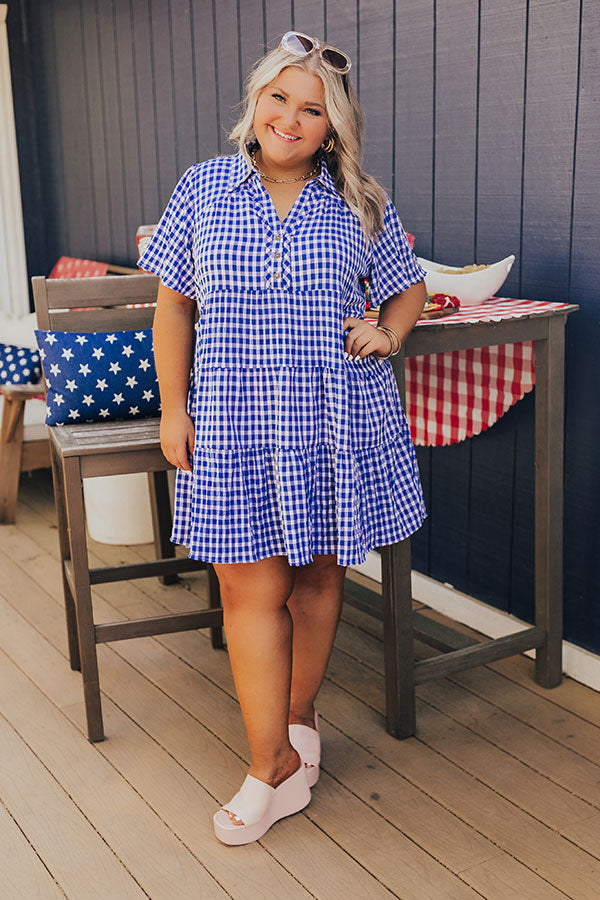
{"x": 98, "y": 377}
{"x": 18, "y": 365}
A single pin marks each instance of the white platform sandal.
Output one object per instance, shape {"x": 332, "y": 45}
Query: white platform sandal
{"x": 307, "y": 742}
{"x": 259, "y": 805}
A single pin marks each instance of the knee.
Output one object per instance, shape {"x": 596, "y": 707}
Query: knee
{"x": 260, "y": 585}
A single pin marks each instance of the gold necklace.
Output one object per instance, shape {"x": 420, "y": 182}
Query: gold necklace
{"x": 314, "y": 171}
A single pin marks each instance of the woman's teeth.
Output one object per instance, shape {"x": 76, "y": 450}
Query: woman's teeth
{"x": 282, "y": 134}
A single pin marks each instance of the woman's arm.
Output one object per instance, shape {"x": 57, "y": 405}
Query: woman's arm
{"x": 399, "y": 312}
{"x": 173, "y": 333}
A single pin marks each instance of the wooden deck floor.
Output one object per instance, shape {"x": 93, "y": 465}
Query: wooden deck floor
{"x": 497, "y": 796}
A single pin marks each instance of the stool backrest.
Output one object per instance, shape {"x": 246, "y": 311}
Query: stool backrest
{"x": 108, "y": 303}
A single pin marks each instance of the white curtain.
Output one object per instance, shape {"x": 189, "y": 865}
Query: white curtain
{"x": 14, "y": 296}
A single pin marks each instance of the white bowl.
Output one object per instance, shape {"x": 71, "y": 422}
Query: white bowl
{"x": 471, "y": 288}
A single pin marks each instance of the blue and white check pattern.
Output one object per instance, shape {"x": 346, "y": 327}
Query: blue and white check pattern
{"x": 298, "y": 451}
{"x": 97, "y": 377}
{"x": 19, "y": 365}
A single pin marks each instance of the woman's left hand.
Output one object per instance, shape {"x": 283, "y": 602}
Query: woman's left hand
{"x": 364, "y": 339}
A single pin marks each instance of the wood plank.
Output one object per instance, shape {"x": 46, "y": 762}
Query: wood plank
{"x": 205, "y": 757}
{"x": 205, "y": 82}
{"x": 57, "y": 829}
{"x": 22, "y": 872}
{"x": 376, "y": 27}
{"x": 160, "y": 864}
{"x": 497, "y": 879}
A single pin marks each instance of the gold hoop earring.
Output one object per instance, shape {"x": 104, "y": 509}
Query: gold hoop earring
{"x": 327, "y": 146}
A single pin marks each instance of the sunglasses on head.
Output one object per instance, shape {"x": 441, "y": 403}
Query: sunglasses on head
{"x": 301, "y": 45}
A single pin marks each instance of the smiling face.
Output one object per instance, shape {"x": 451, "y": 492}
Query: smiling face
{"x": 290, "y": 121}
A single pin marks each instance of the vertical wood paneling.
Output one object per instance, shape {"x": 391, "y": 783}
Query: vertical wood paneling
{"x": 456, "y": 43}
{"x": 146, "y": 118}
{"x": 161, "y": 51}
{"x": 184, "y": 87}
{"x": 228, "y": 63}
{"x": 341, "y": 29}
{"x": 128, "y": 126}
{"x": 205, "y": 74}
{"x": 414, "y": 120}
{"x": 278, "y": 20}
{"x": 308, "y": 16}
{"x": 498, "y": 215}
{"x": 481, "y": 118}
{"x": 376, "y": 25}
{"x": 455, "y": 163}
{"x": 252, "y": 34}
{"x": 552, "y": 52}
{"x": 582, "y": 431}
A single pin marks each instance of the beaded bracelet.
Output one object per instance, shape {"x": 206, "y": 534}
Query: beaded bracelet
{"x": 395, "y": 342}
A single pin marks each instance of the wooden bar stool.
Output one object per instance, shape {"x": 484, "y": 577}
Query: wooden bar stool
{"x": 112, "y": 448}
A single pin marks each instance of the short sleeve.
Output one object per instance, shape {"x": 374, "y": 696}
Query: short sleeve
{"x": 394, "y": 266}
{"x": 169, "y": 251}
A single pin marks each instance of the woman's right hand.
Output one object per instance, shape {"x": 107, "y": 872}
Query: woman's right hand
{"x": 177, "y": 438}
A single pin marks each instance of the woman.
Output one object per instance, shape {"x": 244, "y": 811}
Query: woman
{"x": 293, "y": 452}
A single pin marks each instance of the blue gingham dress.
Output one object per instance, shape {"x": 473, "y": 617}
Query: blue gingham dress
{"x": 298, "y": 451}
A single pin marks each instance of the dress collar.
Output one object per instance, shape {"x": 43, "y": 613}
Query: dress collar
{"x": 241, "y": 171}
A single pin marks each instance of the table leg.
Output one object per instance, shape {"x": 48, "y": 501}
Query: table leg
{"x": 549, "y": 439}
{"x": 398, "y": 639}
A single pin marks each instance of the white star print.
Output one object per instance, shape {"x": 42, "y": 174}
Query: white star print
{"x": 144, "y": 364}
{"x": 115, "y": 367}
{"x": 111, "y": 338}
{"x": 73, "y": 414}
{"x": 48, "y": 411}
{"x": 42, "y": 353}
{"x": 55, "y": 369}
{"x": 139, "y": 335}
{"x": 81, "y": 339}
{"x": 67, "y": 353}
{"x": 118, "y": 398}
{"x": 148, "y": 395}
{"x": 87, "y": 399}
{"x": 127, "y": 350}
{"x": 84, "y": 369}
{"x": 131, "y": 381}
{"x": 101, "y": 384}
{"x": 58, "y": 399}
{"x": 98, "y": 352}
{"x": 51, "y": 338}
{"x": 104, "y": 413}
{"x": 133, "y": 410}
{"x": 71, "y": 385}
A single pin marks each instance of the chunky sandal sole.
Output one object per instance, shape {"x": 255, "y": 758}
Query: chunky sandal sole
{"x": 304, "y": 741}
{"x": 287, "y": 798}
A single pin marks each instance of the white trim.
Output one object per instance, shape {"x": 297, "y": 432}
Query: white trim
{"x": 579, "y": 664}
{"x": 14, "y": 294}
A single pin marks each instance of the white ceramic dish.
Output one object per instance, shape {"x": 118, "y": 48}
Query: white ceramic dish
{"x": 471, "y": 288}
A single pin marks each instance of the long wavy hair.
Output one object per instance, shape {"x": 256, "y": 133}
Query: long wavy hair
{"x": 361, "y": 192}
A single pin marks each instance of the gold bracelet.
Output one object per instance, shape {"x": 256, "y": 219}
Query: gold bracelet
{"x": 395, "y": 342}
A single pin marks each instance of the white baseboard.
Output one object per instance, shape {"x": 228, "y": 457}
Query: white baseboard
{"x": 579, "y": 664}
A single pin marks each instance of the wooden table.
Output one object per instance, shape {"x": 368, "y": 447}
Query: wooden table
{"x": 402, "y": 674}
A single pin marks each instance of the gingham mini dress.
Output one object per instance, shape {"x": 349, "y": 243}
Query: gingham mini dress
{"x": 298, "y": 451}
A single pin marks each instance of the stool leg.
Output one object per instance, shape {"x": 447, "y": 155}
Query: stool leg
{"x": 65, "y": 557}
{"x": 161, "y": 520}
{"x": 11, "y": 447}
{"x": 73, "y": 488}
{"x": 214, "y": 602}
{"x": 549, "y": 425}
{"x": 398, "y": 639}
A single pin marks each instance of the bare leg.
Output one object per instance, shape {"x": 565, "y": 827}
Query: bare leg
{"x": 258, "y": 628}
{"x": 316, "y": 605}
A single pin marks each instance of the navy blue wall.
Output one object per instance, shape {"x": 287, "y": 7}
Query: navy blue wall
{"x": 482, "y": 120}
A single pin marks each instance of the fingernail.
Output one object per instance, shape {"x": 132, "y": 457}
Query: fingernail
{"x": 358, "y": 357}
{"x": 350, "y": 357}
{"x": 345, "y": 354}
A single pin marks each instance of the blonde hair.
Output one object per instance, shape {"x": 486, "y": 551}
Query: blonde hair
{"x": 361, "y": 192}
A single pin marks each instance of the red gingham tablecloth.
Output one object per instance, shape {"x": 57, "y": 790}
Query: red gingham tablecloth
{"x": 454, "y": 395}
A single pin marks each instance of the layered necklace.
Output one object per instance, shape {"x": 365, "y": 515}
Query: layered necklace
{"x": 315, "y": 171}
